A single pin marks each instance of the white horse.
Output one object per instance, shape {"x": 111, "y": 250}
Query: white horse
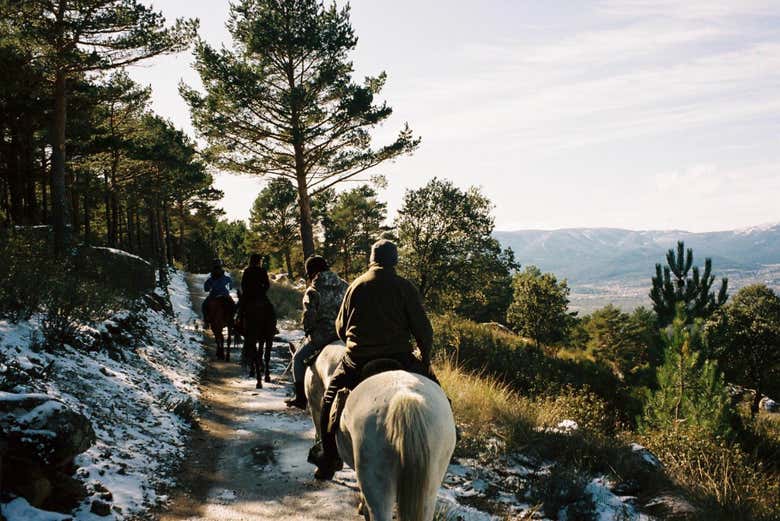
{"x": 396, "y": 431}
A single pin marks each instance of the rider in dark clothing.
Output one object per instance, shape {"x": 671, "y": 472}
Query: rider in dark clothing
{"x": 254, "y": 281}
{"x": 381, "y": 311}
{"x": 256, "y": 313}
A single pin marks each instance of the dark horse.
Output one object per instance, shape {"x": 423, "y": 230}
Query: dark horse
{"x": 259, "y": 327}
{"x": 220, "y": 313}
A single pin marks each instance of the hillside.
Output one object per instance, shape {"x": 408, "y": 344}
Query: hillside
{"x": 615, "y": 265}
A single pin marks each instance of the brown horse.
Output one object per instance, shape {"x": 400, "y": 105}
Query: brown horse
{"x": 259, "y": 325}
{"x": 220, "y": 313}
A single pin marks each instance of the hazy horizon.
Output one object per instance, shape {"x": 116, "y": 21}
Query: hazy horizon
{"x": 618, "y": 113}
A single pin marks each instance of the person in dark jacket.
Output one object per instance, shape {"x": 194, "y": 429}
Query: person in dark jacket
{"x": 218, "y": 284}
{"x": 256, "y": 314}
{"x": 254, "y": 280}
{"x": 321, "y": 303}
{"x": 380, "y": 314}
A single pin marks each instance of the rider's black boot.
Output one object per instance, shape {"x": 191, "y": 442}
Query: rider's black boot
{"x": 299, "y": 400}
{"x": 325, "y": 455}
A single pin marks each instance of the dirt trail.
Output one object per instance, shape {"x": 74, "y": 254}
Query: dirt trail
{"x": 247, "y": 458}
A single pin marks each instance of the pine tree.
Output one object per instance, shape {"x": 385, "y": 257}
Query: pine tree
{"x": 672, "y": 285}
{"x": 283, "y": 103}
{"x": 691, "y": 391}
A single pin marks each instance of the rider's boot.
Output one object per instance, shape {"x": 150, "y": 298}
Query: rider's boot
{"x": 326, "y": 457}
{"x": 299, "y": 400}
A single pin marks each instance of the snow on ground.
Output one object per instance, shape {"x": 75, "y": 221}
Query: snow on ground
{"x": 130, "y": 401}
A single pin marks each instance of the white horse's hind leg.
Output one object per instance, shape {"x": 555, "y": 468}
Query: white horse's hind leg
{"x": 377, "y": 483}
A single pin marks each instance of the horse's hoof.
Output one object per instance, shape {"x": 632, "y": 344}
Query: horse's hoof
{"x": 259, "y": 385}
{"x": 267, "y": 378}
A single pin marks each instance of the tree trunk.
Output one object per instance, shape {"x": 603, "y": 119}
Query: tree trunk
{"x": 44, "y": 188}
{"x": 129, "y": 227}
{"x": 288, "y": 261}
{"x": 168, "y": 239}
{"x": 304, "y": 204}
{"x": 59, "y": 210}
{"x": 28, "y": 159}
{"x": 107, "y": 203}
{"x": 181, "y": 230}
{"x": 86, "y": 220}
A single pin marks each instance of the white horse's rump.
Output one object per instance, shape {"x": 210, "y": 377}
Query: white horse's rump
{"x": 396, "y": 431}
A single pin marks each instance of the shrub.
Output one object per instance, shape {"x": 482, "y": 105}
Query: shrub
{"x": 518, "y": 363}
{"x": 23, "y": 275}
{"x": 70, "y": 302}
{"x": 719, "y": 473}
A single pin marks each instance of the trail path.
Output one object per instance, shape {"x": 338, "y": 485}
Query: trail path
{"x": 248, "y": 457}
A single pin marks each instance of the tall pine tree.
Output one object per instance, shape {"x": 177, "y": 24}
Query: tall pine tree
{"x": 284, "y": 104}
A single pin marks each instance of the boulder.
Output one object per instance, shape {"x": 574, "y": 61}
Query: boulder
{"x": 100, "y": 508}
{"x": 671, "y": 507}
{"x": 769, "y": 405}
{"x": 42, "y": 436}
{"x": 38, "y": 428}
{"x": 642, "y": 459}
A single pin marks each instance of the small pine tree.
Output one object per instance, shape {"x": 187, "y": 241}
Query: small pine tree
{"x": 691, "y": 391}
{"x": 672, "y": 285}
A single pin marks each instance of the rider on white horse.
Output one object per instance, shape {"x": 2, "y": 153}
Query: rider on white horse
{"x": 379, "y": 314}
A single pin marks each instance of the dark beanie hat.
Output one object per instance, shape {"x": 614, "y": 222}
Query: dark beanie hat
{"x": 384, "y": 253}
{"x": 315, "y": 264}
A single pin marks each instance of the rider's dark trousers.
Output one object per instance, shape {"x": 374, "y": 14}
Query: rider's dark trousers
{"x": 347, "y": 376}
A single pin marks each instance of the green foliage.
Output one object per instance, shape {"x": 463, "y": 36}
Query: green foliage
{"x": 627, "y": 344}
{"x": 284, "y": 104}
{"x": 229, "y": 241}
{"x": 673, "y": 286}
{"x": 691, "y": 391}
{"x": 274, "y": 219}
{"x": 352, "y": 223}
{"x": 73, "y": 38}
{"x": 538, "y": 308}
{"x": 745, "y": 337}
{"x": 522, "y": 366}
{"x": 448, "y": 251}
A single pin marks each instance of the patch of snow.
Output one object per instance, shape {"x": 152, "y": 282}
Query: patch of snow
{"x": 563, "y": 427}
{"x": 20, "y": 510}
{"x": 609, "y": 507}
{"x": 121, "y": 253}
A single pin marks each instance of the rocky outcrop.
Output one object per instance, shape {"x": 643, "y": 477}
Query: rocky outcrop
{"x": 41, "y": 437}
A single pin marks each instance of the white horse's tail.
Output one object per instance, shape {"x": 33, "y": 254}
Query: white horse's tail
{"x": 405, "y": 426}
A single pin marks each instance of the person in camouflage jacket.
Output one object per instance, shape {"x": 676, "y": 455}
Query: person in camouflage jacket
{"x": 321, "y": 303}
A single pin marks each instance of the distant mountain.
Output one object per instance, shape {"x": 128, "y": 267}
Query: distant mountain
{"x": 596, "y": 258}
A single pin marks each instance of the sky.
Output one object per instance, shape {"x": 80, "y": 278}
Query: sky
{"x": 617, "y": 113}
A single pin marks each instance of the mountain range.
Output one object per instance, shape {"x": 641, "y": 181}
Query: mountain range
{"x": 615, "y": 265}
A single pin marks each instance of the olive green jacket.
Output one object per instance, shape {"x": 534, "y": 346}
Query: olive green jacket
{"x": 380, "y": 314}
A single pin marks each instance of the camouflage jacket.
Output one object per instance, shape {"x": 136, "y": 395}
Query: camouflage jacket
{"x": 321, "y": 303}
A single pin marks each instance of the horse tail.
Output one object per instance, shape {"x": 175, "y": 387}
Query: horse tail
{"x": 405, "y": 426}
